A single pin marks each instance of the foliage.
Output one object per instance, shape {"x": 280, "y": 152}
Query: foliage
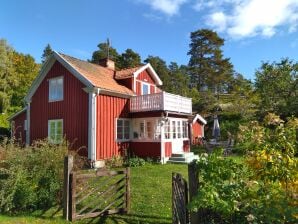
{"x": 277, "y": 85}
{"x": 30, "y": 178}
{"x": 115, "y": 161}
{"x": 230, "y": 192}
{"x": 47, "y": 52}
{"x": 207, "y": 65}
{"x": 135, "y": 161}
{"x": 103, "y": 50}
{"x": 129, "y": 59}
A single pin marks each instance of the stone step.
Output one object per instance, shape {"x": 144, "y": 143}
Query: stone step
{"x": 182, "y": 157}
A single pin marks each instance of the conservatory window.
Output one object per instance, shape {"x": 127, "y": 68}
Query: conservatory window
{"x": 179, "y": 129}
{"x": 185, "y": 129}
{"x": 167, "y": 130}
{"x": 174, "y": 129}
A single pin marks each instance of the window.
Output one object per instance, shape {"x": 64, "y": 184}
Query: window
{"x": 185, "y": 129}
{"x": 179, "y": 129}
{"x": 174, "y": 129}
{"x": 56, "y": 89}
{"x": 149, "y": 129}
{"x": 167, "y": 130}
{"x": 123, "y": 129}
{"x": 55, "y": 131}
{"x": 145, "y": 89}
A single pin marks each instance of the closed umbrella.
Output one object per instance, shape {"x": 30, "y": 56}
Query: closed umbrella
{"x": 216, "y": 128}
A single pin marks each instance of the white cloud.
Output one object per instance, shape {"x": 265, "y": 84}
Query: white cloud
{"x": 168, "y": 7}
{"x": 246, "y": 18}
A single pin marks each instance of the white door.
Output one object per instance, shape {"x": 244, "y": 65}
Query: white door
{"x": 177, "y": 140}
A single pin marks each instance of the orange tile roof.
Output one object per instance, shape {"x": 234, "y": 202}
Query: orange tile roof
{"x": 99, "y": 76}
{"x": 126, "y": 73}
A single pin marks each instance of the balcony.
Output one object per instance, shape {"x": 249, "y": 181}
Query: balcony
{"x": 161, "y": 101}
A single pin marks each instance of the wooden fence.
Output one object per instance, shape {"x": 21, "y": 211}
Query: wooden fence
{"x": 180, "y": 213}
{"x": 95, "y": 193}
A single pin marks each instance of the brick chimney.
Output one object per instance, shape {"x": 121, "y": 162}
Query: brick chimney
{"x": 108, "y": 63}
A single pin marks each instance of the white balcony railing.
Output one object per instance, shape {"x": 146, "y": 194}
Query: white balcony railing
{"x": 161, "y": 101}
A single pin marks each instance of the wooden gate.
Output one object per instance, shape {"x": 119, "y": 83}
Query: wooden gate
{"x": 179, "y": 199}
{"x": 93, "y": 193}
{"x": 99, "y": 193}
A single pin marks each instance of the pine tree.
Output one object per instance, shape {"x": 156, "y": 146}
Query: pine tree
{"x": 208, "y": 68}
{"x": 129, "y": 59}
{"x": 47, "y": 52}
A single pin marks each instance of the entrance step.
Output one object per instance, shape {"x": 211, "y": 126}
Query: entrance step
{"x": 185, "y": 157}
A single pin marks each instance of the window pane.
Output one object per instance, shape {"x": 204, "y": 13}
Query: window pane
{"x": 174, "y": 129}
{"x": 56, "y": 89}
{"x": 145, "y": 89}
{"x": 149, "y": 130}
{"x": 179, "y": 129}
{"x": 142, "y": 129}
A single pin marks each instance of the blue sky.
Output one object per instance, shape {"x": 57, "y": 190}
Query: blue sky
{"x": 254, "y": 30}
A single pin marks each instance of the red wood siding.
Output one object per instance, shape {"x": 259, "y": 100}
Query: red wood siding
{"x": 126, "y": 82}
{"x": 168, "y": 149}
{"x": 146, "y": 149}
{"x": 145, "y": 77}
{"x": 108, "y": 109}
{"x": 138, "y": 88}
{"x": 186, "y": 146}
{"x": 18, "y": 129}
{"x": 73, "y": 109}
{"x": 196, "y": 132}
{"x": 152, "y": 89}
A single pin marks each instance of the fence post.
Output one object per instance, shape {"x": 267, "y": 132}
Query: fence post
{"x": 193, "y": 189}
{"x": 127, "y": 189}
{"x": 68, "y": 165}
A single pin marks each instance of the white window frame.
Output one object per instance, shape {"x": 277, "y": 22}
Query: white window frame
{"x": 148, "y": 85}
{"x": 123, "y": 139}
{"x": 55, "y": 141}
{"x": 53, "y": 97}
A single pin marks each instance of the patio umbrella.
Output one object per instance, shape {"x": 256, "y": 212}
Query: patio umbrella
{"x": 216, "y": 128}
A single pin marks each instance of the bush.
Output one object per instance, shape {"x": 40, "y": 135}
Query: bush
{"x": 136, "y": 161}
{"x": 31, "y": 178}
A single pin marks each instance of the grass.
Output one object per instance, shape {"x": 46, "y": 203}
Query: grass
{"x": 151, "y": 199}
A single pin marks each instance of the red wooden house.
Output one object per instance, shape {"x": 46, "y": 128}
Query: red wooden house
{"x": 104, "y": 111}
{"x": 197, "y": 127}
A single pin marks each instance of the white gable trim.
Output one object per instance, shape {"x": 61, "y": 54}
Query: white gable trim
{"x": 199, "y": 117}
{"x": 151, "y": 71}
{"x": 46, "y": 68}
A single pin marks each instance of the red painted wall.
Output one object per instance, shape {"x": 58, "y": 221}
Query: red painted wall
{"x": 168, "y": 149}
{"x": 145, "y": 77}
{"x": 73, "y": 109}
{"x": 146, "y": 149}
{"x": 18, "y": 129}
{"x": 108, "y": 109}
{"x": 196, "y": 132}
{"x": 186, "y": 146}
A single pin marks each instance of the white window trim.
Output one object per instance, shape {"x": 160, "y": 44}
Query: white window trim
{"x": 176, "y": 128}
{"x": 147, "y": 84}
{"x": 49, "y": 128}
{"x": 116, "y": 128}
{"x": 62, "y": 98}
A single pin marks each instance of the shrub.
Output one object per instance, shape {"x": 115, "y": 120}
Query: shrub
{"x": 136, "y": 161}
{"x": 31, "y": 178}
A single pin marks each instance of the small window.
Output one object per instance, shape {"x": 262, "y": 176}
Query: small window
{"x": 145, "y": 89}
{"x": 55, "y": 131}
{"x": 56, "y": 89}
{"x": 123, "y": 129}
{"x": 174, "y": 129}
{"x": 179, "y": 129}
{"x": 149, "y": 129}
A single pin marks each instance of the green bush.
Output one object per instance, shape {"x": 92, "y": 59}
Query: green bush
{"x": 31, "y": 178}
{"x": 136, "y": 161}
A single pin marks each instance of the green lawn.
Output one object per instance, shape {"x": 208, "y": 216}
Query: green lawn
{"x": 150, "y": 199}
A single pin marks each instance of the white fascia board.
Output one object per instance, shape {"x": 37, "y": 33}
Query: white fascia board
{"x": 46, "y": 68}
{"x": 199, "y": 117}
{"x": 151, "y": 71}
{"x": 99, "y": 91}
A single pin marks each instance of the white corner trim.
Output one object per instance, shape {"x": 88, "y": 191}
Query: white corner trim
{"x": 151, "y": 71}
{"x": 199, "y": 117}
{"x": 92, "y": 126}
